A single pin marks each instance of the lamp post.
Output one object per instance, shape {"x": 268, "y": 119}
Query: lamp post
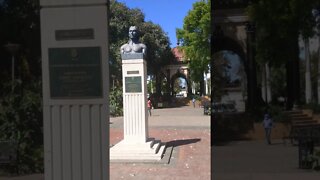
{"x": 13, "y": 49}
{"x": 316, "y": 15}
{"x": 113, "y": 77}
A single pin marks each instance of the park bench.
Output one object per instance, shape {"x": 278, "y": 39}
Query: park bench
{"x": 304, "y": 131}
{"x": 308, "y": 153}
{"x": 8, "y": 153}
{"x": 302, "y": 125}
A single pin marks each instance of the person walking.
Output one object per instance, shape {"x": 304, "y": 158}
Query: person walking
{"x": 149, "y": 106}
{"x": 267, "y": 124}
{"x": 194, "y": 102}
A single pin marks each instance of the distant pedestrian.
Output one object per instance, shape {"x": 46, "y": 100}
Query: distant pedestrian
{"x": 267, "y": 124}
{"x": 194, "y": 102}
{"x": 149, "y": 106}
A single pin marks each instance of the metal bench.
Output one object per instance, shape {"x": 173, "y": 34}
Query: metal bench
{"x": 302, "y": 130}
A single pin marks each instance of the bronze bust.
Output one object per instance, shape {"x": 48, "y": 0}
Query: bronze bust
{"x": 133, "y": 46}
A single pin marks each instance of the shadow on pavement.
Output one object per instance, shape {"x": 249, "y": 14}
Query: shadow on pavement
{"x": 176, "y": 143}
{"x": 228, "y": 127}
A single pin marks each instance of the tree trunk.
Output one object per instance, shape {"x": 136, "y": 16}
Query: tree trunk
{"x": 293, "y": 75}
{"x": 318, "y": 71}
{"x": 307, "y": 74}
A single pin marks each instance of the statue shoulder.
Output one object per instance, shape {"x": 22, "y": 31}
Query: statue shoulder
{"x": 124, "y": 45}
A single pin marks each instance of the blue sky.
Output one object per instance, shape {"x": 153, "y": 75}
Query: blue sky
{"x": 169, "y": 14}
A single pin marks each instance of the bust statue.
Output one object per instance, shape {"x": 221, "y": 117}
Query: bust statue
{"x": 133, "y": 46}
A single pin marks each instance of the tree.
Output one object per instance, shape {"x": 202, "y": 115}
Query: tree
{"x": 278, "y": 26}
{"x": 195, "y": 40}
{"x": 21, "y": 110}
{"x": 20, "y": 23}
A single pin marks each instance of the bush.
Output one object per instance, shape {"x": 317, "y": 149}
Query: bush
{"x": 275, "y": 111}
{"x": 21, "y": 121}
{"x": 116, "y": 102}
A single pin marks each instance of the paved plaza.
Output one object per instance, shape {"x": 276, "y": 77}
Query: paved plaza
{"x": 255, "y": 160}
{"x": 187, "y": 130}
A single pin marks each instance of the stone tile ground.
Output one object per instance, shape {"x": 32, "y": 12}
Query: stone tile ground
{"x": 191, "y": 157}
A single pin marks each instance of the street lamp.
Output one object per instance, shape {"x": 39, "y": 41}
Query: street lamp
{"x": 13, "y": 49}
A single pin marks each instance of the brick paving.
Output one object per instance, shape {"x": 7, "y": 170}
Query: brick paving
{"x": 187, "y": 129}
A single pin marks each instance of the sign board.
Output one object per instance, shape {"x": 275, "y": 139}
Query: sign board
{"x": 133, "y": 84}
{"x": 75, "y": 73}
{"x": 74, "y": 34}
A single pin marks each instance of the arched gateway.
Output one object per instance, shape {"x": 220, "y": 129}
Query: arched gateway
{"x": 233, "y": 32}
{"x": 178, "y": 68}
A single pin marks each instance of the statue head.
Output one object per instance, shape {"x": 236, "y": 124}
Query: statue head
{"x": 133, "y": 32}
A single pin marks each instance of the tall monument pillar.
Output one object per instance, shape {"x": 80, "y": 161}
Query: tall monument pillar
{"x": 136, "y": 145}
{"x": 74, "y": 40}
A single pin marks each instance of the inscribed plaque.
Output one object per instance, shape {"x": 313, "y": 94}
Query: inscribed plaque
{"x": 133, "y": 84}
{"x": 75, "y": 73}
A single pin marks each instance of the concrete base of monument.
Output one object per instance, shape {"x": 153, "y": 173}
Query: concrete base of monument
{"x": 152, "y": 150}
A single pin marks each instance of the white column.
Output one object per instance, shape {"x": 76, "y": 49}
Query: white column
{"x": 136, "y": 144}
{"x": 266, "y": 88}
{"x": 75, "y": 72}
{"x": 206, "y": 83}
{"x": 135, "y": 101}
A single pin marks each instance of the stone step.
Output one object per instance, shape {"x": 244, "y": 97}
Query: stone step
{"x": 299, "y": 115}
{"x": 293, "y": 112}
{"x": 304, "y": 123}
{"x": 139, "y": 155}
{"x": 138, "y": 149}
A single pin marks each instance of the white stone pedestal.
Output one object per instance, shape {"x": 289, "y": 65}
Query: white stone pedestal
{"x": 75, "y": 76}
{"x": 136, "y": 144}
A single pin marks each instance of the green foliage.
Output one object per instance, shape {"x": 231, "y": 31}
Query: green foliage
{"x": 278, "y": 82}
{"x": 20, "y": 23}
{"x": 195, "y": 39}
{"x": 116, "y": 102}
{"x": 21, "y": 121}
{"x": 276, "y": 112}
{"x": 278, "y": 25}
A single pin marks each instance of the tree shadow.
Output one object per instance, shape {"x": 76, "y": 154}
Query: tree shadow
{"x": 182, "y": 142}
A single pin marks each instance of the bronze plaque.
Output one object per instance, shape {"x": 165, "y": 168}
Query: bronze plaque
{"x": 75, "y": 73}
{"x": 133, "y": 84}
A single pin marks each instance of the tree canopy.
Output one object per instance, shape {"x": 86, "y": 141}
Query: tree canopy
{"x": 195, "y": 39}
{"x": 278, "y": 26}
